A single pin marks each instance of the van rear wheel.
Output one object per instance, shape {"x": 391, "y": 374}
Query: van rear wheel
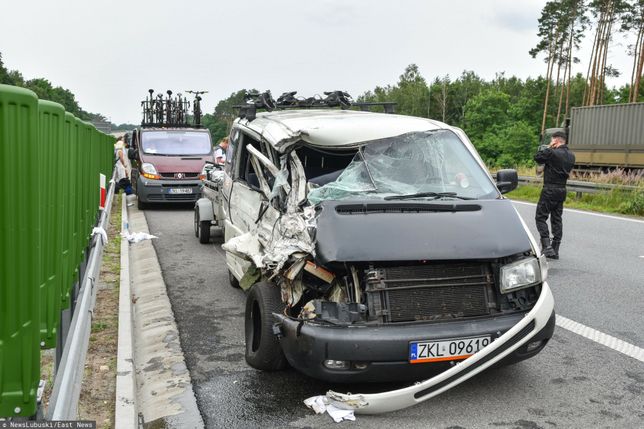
{"x": 263, "y": 350}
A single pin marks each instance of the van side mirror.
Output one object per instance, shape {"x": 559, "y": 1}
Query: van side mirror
{"x": 507, "y": 180}
{"x": 132, "y": 153}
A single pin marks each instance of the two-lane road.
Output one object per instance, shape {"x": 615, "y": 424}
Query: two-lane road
{"x": 575, "y": 382}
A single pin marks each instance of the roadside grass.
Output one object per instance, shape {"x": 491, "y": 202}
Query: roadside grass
{"x": 615, "y": 201}
{"x": 97, "y": 399}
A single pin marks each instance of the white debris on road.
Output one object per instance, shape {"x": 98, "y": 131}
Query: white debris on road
{"x": 320, "y": 404}
{"x": 137, "y": 236}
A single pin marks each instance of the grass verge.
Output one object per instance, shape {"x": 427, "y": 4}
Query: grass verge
{"x": 97, "y": 399}
{"x": 615, "y": 201}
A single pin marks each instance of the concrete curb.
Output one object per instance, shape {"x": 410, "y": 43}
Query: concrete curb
{"x": 164, "y": 391}
{"x": 126, "y": 415}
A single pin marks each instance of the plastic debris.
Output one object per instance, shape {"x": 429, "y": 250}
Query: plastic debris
{"x": 100, "y": 231}
{"x": 137, "y": 236}
{"x": 320, "y": 404}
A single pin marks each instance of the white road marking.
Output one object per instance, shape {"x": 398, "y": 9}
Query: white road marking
{"x": 609, "y": 341}
{"x": 587, "y": 213}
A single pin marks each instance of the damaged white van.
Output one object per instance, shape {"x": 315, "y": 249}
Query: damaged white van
{"x": 377, "y": 247}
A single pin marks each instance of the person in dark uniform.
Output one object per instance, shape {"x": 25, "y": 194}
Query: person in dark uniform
{"x": 558, "y": 161}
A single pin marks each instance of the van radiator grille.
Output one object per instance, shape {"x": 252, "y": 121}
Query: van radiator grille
{"x": 429, "y": 292}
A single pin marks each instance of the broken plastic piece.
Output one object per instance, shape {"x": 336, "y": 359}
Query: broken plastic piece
{"x": 100, "y": 231}
{"x": 320, "y": 405}
{"x": 250, "y": 277}
{"x": 137, "y": 236}
{"x": 245, "y": 246}
{"x": 295, "y": 269}
{"x": 319, "y": 272}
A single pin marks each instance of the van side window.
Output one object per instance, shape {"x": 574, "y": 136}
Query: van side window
{"x": 231, "y": 152}
{"x": 244, "y": 169}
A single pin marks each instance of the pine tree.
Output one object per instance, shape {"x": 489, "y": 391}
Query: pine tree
{"x": 633, "y": 24}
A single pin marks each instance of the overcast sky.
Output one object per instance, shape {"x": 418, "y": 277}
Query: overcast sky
{"x": 109, "y": 53}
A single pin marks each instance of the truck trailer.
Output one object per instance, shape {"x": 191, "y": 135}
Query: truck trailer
{"x": 605, "y": 136}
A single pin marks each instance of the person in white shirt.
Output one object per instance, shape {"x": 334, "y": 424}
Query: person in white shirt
{"x": 220, "y": 152}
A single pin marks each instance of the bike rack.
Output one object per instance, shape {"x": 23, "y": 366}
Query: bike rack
{"x": 286, "y": 101}
{"x": 171, "y": 111}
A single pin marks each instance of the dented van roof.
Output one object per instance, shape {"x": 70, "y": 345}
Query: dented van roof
{"x": 333, "y": 128}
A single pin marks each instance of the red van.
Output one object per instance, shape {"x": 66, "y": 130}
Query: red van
{"x": 169, "y": 164}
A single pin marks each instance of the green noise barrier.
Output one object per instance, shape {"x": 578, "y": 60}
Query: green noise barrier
{"x": 50, "y": 167}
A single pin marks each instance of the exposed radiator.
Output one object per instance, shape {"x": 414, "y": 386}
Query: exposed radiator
{"x": 443, "y": 291}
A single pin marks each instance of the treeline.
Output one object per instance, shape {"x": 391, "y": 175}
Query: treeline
{"x": 501, "y": 116}
{"x": 563, "y": 25}
{"x": 46, "y": 91}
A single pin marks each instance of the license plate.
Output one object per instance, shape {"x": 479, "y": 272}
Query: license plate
{"x": 179, "y": 191}
{"x": 436, "y": 351}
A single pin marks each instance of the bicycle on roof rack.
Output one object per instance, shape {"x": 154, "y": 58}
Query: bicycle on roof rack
{"x": 288, "y": 100}
{"x": 196, "y": 106}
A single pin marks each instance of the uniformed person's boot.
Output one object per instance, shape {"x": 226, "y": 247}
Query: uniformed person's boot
{"x": 555, "y": 249}
{"x": 547, "y": 249}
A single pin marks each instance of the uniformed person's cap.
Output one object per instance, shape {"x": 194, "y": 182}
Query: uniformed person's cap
{"x": 560, "y": 134}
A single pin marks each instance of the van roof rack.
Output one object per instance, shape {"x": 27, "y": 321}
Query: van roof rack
{"x": 171, "y": 111}
{"x": 332, "y": 99}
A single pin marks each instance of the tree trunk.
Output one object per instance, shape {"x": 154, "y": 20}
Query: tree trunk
{"x": 602, "y": 80}
{"x": 635, "y": 88}
{"x": 551, "y": 55}
{"x": 570, "y": 45}
{"x": 588, "y": 87}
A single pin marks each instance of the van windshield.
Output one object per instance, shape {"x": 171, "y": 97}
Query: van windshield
{"x": 175, "y": 143}
{"x": 435, "y": 162}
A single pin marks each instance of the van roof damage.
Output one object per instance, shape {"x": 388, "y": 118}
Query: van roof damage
{"x": 333, "y": 128}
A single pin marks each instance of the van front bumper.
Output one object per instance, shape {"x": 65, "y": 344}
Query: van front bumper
{"x": 381, "y": 353}
{"x": 167, "y": 191}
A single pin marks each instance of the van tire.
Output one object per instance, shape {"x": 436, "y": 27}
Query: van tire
{"x": 204, "y": 232}
{"x": 140, "y": 204}
{"x": 263, "y": 350}
{"x": 233, "y": 281}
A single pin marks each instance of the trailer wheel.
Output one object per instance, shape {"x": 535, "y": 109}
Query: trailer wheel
{"x": 196, "y": 222}
{"x": 204, "y": 232}
{"x": 263, "y": 350}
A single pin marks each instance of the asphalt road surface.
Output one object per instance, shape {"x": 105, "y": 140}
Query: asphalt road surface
{"x": 576, "y": 382}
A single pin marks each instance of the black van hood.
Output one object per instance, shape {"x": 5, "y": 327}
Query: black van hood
{"x": 378, "y": 231}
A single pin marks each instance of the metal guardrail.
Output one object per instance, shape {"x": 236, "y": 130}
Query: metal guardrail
{"x": 63, "y": 404}
{"x": 580, "y": 187}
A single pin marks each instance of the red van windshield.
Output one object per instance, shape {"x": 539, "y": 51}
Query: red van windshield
{"x": 176, "y": 142}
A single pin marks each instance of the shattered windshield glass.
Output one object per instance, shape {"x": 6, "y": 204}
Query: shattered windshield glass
{"x": 413, "y": 163}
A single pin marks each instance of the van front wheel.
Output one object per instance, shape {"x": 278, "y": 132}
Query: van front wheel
{"x": 263, "y": 350}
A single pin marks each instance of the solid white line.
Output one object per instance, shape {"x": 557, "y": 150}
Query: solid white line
{"x": 587, "y": 213}
{"x": 609, "y": 341}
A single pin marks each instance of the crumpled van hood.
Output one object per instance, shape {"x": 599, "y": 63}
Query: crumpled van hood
{"x": 379, "y": 231}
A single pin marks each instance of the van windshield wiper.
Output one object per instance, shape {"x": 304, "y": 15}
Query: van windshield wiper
{"x": 436, "y": 196}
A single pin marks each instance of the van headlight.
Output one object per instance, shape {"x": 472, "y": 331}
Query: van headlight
{"x": 520, "y": 274}
{"x": 148, "y": 171}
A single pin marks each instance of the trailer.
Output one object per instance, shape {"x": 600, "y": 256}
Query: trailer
{"x": 209, "y": 210}
{"x": 606, "y": 136}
